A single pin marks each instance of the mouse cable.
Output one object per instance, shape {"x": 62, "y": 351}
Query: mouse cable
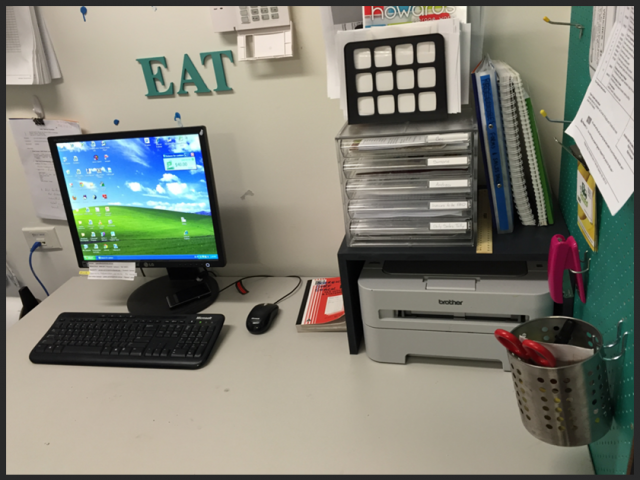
{"x": 266, "y": 276}
{"x": 292, "y": 291}
{"x": 241, "y": 279}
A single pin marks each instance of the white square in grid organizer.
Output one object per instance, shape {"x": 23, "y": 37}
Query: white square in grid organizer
{"x": 386, "y": 105}
{"x": 426, "y": 77}
{"x": 426, "y": 52}
{"x": 406, "y": 103}
{"x": 364, "y": 82}
{"x": 382, "y": 56}
{"x": 405, "y": 79}
{"x": 404, "y": 54}
{"x": 427, "y": 101}
{"x": 366, "y": 106}
{"x": 384, "y": 81}
{"x": 362, "y": 58}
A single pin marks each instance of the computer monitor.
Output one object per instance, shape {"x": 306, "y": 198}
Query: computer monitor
{"x": 146, "y": 197}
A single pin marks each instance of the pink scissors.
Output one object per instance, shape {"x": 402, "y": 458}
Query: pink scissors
{"x": 527, "y": 349}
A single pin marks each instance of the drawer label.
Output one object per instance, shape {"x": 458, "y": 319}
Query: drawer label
{"x": 448, "y": 205}
{"x": 448, "y": 183}
{"x": 449, "y": 226}
{"x": 447, "y": 161}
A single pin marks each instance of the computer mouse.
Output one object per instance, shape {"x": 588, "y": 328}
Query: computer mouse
{"x": 261, "y": 317}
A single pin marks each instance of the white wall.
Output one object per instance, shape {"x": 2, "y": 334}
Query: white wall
{"x": 274, "y": 135}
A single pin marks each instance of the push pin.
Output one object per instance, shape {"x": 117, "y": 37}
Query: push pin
{"x": 577, "y": 25}
{"x": 544, "y": 114}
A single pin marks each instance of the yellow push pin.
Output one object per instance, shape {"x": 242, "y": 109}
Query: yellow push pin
{"x": 544, "y": 114}
{"x": 577, "y": 25}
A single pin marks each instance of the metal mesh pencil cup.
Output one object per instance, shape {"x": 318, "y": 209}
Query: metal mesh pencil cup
{"x": 567, "y": 405}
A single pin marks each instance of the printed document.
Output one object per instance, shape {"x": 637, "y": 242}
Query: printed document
{"x": 33, "y": 148}
{"x": 604, "y": 126}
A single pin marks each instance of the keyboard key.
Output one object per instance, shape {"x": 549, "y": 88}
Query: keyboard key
{"x": 199, "y": 352}
{"x": 136, "y": 352}
{"x": 57, "y": 349}
{"x": 125, "y": 351}
{"x": 48, "y": 341}
{"x": 179, "y": 352}
{"x": 115, "y": 350}
{"x": 40, "y": 348}
{"x": 49, "y": 349}
{"x": 164, "y": 352}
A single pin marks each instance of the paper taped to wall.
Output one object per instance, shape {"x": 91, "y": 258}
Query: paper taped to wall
{"x": 604, "y": 126}
{"x": 112, "y": 271}
{"x": 33, "y": 148}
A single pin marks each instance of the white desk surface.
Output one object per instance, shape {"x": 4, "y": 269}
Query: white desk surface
{"x": 279, "y": 403}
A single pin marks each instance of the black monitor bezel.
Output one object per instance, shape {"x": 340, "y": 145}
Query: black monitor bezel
{"x": 201, "y": 131}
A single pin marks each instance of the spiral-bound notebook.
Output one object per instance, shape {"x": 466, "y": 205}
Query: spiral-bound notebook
{"x": 529, "y": 183}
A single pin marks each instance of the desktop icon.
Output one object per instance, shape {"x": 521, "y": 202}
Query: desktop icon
{"x": 78, "y": 172}
{"x": 82, "y": 234}
{"x": 193, "y": 154}
{"x": 97, "y": 209}
{"x": 186, "y": 232}
{"x": 64, "y": 159}
{"x": 87, "y": 210}
{"x": 146, "y": 140}
{"x": 103, "y": 170}
{"x": 157, "y": 140}
{"x": 106, "y": 157}
{"x": 115, "y": 246}
{"x": 95, "y": 246}
{"x": 99, "y": 222}
{"x": 93, "y": 234}
{"x": 75, "y": 159}
{"x": 74, "y": 198}
{"x": 90, "y": 222}
{"x": 184, "y": 220}
{"x": 106, "y": 246}
{"x": 106, "y": 209}
{"x": 95, "y": 157}
{"x": 102, "y": 184}
{"x": 93, "y": 144}
{"x": 84, "y": 197}
{"x": 95, "y": 197}
{"x": 181, "y": 139}
{"x": 79, "y": 222}
{"x": 113, "y": 234}
{"x": 88, "y": 171}
{"x": 85, "y": 246}
{"x": 102, "y": 234}
{"x": 109, "y": 169}
{"x": 110, "y": 222}
{"x": 104, "y": 144}
{"x": 81, "y": 184}
{"x": 68, "y": 172}
{"x": 71, "y": 185}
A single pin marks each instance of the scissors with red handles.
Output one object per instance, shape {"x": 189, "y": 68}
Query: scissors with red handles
{"x": 527, "y": 349}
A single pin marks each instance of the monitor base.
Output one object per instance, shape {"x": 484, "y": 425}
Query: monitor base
{"x": 151, "y": 298}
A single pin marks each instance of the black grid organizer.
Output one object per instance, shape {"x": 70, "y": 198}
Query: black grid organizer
{"x": 440, "y": 88}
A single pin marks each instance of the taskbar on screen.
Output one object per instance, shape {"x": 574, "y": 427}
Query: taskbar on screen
{"x": 134, "y": 258}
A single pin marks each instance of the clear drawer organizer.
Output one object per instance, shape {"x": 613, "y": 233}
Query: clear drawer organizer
{"x": 410, "y": 184}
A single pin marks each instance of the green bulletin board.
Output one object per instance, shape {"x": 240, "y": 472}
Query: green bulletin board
{"x": 610, "y": 279}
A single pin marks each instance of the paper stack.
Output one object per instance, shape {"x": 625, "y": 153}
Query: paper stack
{"x": 30, "y": 58}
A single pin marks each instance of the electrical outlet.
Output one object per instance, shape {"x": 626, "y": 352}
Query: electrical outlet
{"x": 47, "y": 236}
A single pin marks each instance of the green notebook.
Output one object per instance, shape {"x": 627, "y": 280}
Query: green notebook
{"x": 546, "y": 188}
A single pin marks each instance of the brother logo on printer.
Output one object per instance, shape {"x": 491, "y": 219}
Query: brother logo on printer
{"x": 449, "y": 302}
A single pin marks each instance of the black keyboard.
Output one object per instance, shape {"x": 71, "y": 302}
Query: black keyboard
{"x": 124, "y": 340}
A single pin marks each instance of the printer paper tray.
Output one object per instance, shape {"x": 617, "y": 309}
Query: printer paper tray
{"x": 442, "y": 325}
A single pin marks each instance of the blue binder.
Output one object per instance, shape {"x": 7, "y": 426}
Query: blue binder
{"x": 485, "y": 90}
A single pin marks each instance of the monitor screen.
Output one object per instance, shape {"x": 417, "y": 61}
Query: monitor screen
{"x": 140, "y": 196}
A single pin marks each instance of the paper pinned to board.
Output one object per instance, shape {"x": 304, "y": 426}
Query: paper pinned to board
{"x": 33, "y": 148}
{"x": 112, "y": 270}
{"x": 604, "y": 126}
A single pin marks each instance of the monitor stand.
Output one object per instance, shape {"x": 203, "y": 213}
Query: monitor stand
{"x": 151, "y": 298}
